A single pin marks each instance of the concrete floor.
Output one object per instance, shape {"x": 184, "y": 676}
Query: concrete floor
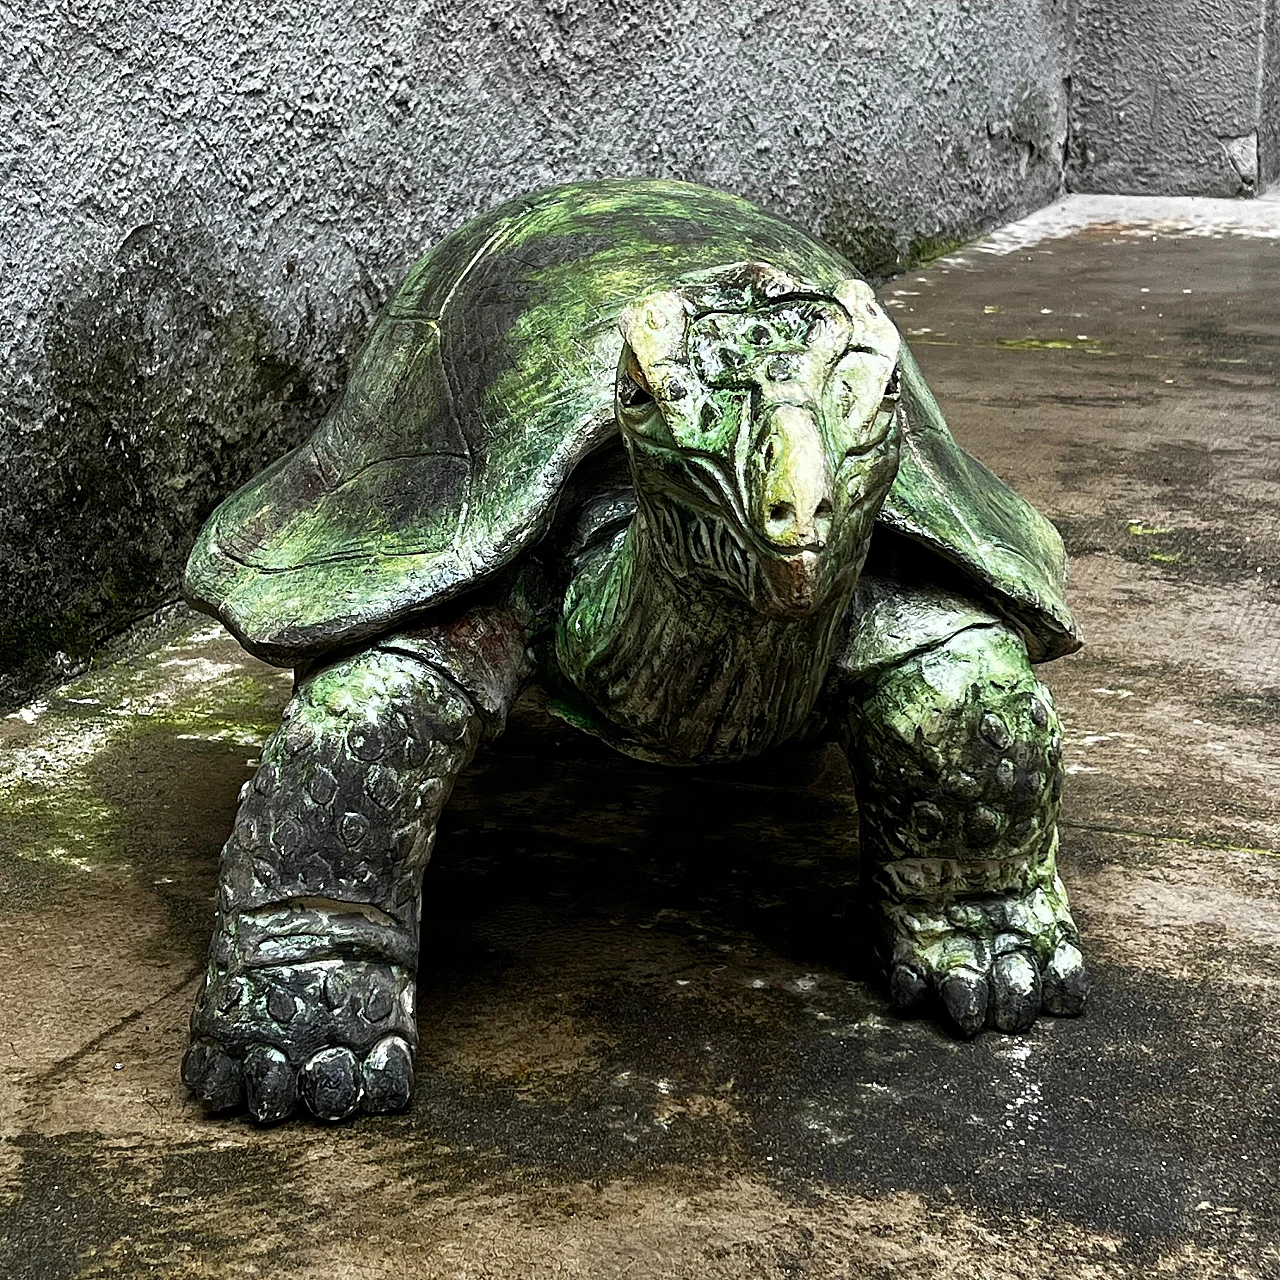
{"x": 651, "y": 1048}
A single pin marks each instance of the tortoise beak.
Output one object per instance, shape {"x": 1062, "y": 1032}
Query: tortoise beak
{"x": 790, "y": 508}
{"x": 789, "y": 502}
{"x": 794, "y": 584}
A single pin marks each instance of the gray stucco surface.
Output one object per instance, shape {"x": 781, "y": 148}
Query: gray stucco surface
{"x": 203, "y": 208}
{"x": 1269, "y": 126}
{"x": 1175, "y": 97}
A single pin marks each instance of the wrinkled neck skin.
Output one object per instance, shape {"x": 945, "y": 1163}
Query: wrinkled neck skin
{"x": 680, "y": 671}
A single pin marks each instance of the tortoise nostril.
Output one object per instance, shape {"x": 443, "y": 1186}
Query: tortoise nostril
{"x": 786, "y": 524}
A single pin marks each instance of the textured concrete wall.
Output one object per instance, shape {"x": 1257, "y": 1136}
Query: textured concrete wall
{"x": 1269, "y": 125}
{"x": 1175, "y": 97}
{"x": 204, "y": 206}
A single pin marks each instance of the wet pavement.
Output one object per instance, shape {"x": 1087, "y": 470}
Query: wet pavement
{"x": 651, "y": 1045}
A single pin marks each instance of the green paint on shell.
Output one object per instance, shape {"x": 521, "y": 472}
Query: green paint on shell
{"x": 489, "y": 376}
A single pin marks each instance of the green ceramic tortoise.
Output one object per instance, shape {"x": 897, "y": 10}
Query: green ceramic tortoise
{"x": 665, "y": 455}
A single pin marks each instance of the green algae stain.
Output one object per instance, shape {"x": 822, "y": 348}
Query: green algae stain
{"x": 49, "y": 815}
{"x": 1087, "y": 346}
{"x": 240, "y": 708}
{"x": 1139, "y": 529}
{"x": 926, "y": 249}
{"x": 63, "y": 759}
{"x": 63, "y": 828}
{"x": 1207, "y": 555}
{"x": 1035, "y": 344}
{"x": 168, "y": 387}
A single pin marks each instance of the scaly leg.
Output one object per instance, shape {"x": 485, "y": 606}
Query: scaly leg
{"x": 956, "y": 754}
{"x": 310, "y": 988}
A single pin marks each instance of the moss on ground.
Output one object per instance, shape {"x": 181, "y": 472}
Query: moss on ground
{"x": 57, "y": 817}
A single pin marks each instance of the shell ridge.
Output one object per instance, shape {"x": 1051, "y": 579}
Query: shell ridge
{"x": 463, "y": 498}
{"x": 495, "y": 238}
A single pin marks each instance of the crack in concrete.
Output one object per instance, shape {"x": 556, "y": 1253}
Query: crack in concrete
{"x": 64, "y": 1065}
{"x": 1166, "y": 837}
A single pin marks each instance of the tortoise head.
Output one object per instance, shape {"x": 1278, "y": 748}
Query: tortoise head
{"x": 760, "y": 415}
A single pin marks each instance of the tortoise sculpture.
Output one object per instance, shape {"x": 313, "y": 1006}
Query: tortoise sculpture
{"x": 664, "y": 454}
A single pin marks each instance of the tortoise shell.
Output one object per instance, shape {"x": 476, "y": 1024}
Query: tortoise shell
{"x": 490, "y": 375}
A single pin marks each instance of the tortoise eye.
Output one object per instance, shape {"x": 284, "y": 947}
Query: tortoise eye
{"x": 633, "y": 388}
{"x": 632, "y": 394}
{"x": 892, "y": 391}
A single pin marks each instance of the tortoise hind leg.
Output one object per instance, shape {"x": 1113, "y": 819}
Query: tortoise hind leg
{"x": 310, "y": 987}
{"x": 956, "y": 754}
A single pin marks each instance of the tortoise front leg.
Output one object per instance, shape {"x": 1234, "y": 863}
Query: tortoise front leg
{"x": 956, "y": 756}
{"x": 310, "y": 988}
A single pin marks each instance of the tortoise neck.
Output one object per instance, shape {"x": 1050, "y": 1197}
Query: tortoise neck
{"x": 682, "y": 672}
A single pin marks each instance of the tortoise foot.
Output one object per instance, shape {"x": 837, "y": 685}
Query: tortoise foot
{"x": 335, "y": 1035}
{"x": 998, "y": 961}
